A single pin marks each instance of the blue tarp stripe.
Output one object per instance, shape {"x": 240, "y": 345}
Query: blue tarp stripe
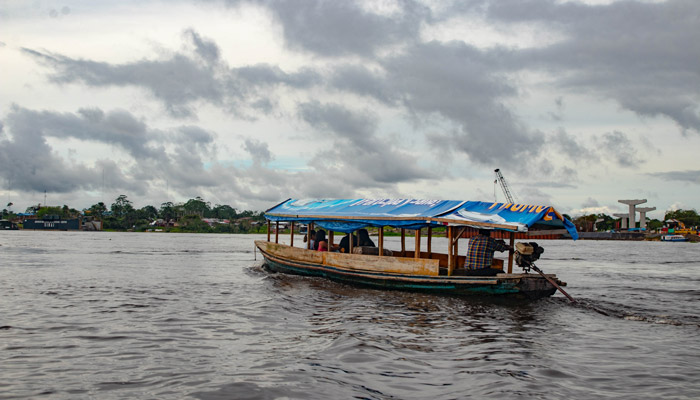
{"x": 346, "y": 215}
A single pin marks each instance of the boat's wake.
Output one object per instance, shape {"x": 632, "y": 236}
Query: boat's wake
{"x": 615, "y": 310}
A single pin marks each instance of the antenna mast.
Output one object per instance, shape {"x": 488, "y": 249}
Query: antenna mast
{"x": 504, "y": 185}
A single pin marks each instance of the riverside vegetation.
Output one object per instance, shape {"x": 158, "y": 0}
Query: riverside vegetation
{"x": 195, "y": 215}
{"x": 192, "y": 216}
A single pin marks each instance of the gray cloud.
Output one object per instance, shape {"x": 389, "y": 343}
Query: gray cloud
{"x": 624, "y": 51}
{"x": 590, "y": 202}
{"x": 364, "y": 82}
{"x": 162, "y": 162}
{"x": 340, "y": 122}
{"x": 358, "y": 156}
{"x": 620, "y": 148}
{"x": 206, "y": 49}
{"x": 178, "y": 82}
{"x": 465, "y": 85}
{"x": 339, "y": 28}
{"x": 681, "y": 176}
{"x": 181, "y": 81}
{"x": 572, "y": 148}
{"x": 27, "y": 159}
{"x": 258, "y": 150}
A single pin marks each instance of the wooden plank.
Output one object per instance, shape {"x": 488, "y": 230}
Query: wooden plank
{"x": 354, "y": 262}
{"x": 295, "y": 253}
{"x": 381, "y": 241}
{"x": 395, "y": 265}
{"x": 403, "y": 241}
{"x": 277, "y": 231}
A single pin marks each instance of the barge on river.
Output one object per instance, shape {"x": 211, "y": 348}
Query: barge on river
{"x": 416, "y": 270}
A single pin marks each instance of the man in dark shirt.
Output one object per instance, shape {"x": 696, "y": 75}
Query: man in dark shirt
{"x": 344, "y": 245}
{"x": 480, "y": 255}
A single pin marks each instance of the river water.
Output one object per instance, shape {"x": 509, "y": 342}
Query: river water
{"x": 194, "y": 316}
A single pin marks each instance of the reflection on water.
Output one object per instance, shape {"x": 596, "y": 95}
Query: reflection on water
{"x": 117, "y": 315}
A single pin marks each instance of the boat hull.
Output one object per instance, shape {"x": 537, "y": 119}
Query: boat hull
{"x": 380, "y": 273}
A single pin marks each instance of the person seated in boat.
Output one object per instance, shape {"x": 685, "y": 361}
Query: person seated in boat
{"x": 344, "y": 245}
{"x": 480, "y": 255}
{"x": 320, "y": 241}
{"x": 312, "y": 236}
{"x": 364, "y": 239}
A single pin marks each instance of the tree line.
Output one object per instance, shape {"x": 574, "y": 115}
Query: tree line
{"x": 188, "y": 216}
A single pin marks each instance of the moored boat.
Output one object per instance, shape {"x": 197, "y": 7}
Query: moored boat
{"x": 673, "y": 238}
{"x": 418, "y": 269}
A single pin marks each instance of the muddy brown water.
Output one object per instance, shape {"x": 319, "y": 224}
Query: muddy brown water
{"x": 158, "y": 316}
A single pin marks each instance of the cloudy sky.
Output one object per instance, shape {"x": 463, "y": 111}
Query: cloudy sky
{"x": 247, "y": 103}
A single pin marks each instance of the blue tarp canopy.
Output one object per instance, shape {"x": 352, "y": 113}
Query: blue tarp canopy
{"x": 347, "y": 215}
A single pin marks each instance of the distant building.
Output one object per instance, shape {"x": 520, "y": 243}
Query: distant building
{"x": 6, "y": 225}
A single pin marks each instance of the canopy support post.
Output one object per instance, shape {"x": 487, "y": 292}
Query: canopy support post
{"x": 417, "y": 246}
{"x": 330, "y": 240}
{"x": 291, "y": 239}
{"x": 350, "y": 244}
{"x": 381, "y": 241}
{"x": 450, "y": 247}
{"x": 277, "y": 231}
{"x": 510, "y": 252}
{"x": 403, "y": 242}
{"x": 430, "y": 242}
{"x": 268, "y": 230}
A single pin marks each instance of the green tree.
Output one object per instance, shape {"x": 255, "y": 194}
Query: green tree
{"x": 223, "y": 212}
{"x": 124, "y": 213}
{"x": 687, "y": 217}
{"x": 167, "y": 211}
{"x": 654, "y": 224}
{"x": 121, "y": 207}
{"x": 46, "y": 211}
{"x": 97, "y": 210}
{"x": 197, "y": 206}
{"x": 148, "y": 212}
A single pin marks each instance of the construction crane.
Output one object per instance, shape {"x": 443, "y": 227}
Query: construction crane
{"x": 504, "y": 185}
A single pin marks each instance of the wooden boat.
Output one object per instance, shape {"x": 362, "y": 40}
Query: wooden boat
{"x": 417, "y": 269}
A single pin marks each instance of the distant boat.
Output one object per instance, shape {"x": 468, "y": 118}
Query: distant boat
{"x": 413, "y": 270}
{"x": 673, "y": 238}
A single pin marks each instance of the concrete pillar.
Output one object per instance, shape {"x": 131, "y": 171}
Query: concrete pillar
{"x": 624, "y": 217}
{"x": 632, "y": 204}
{"x": 643, "y": 216}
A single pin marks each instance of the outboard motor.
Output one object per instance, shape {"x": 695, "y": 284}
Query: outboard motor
{"x": 526, "y": 254}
